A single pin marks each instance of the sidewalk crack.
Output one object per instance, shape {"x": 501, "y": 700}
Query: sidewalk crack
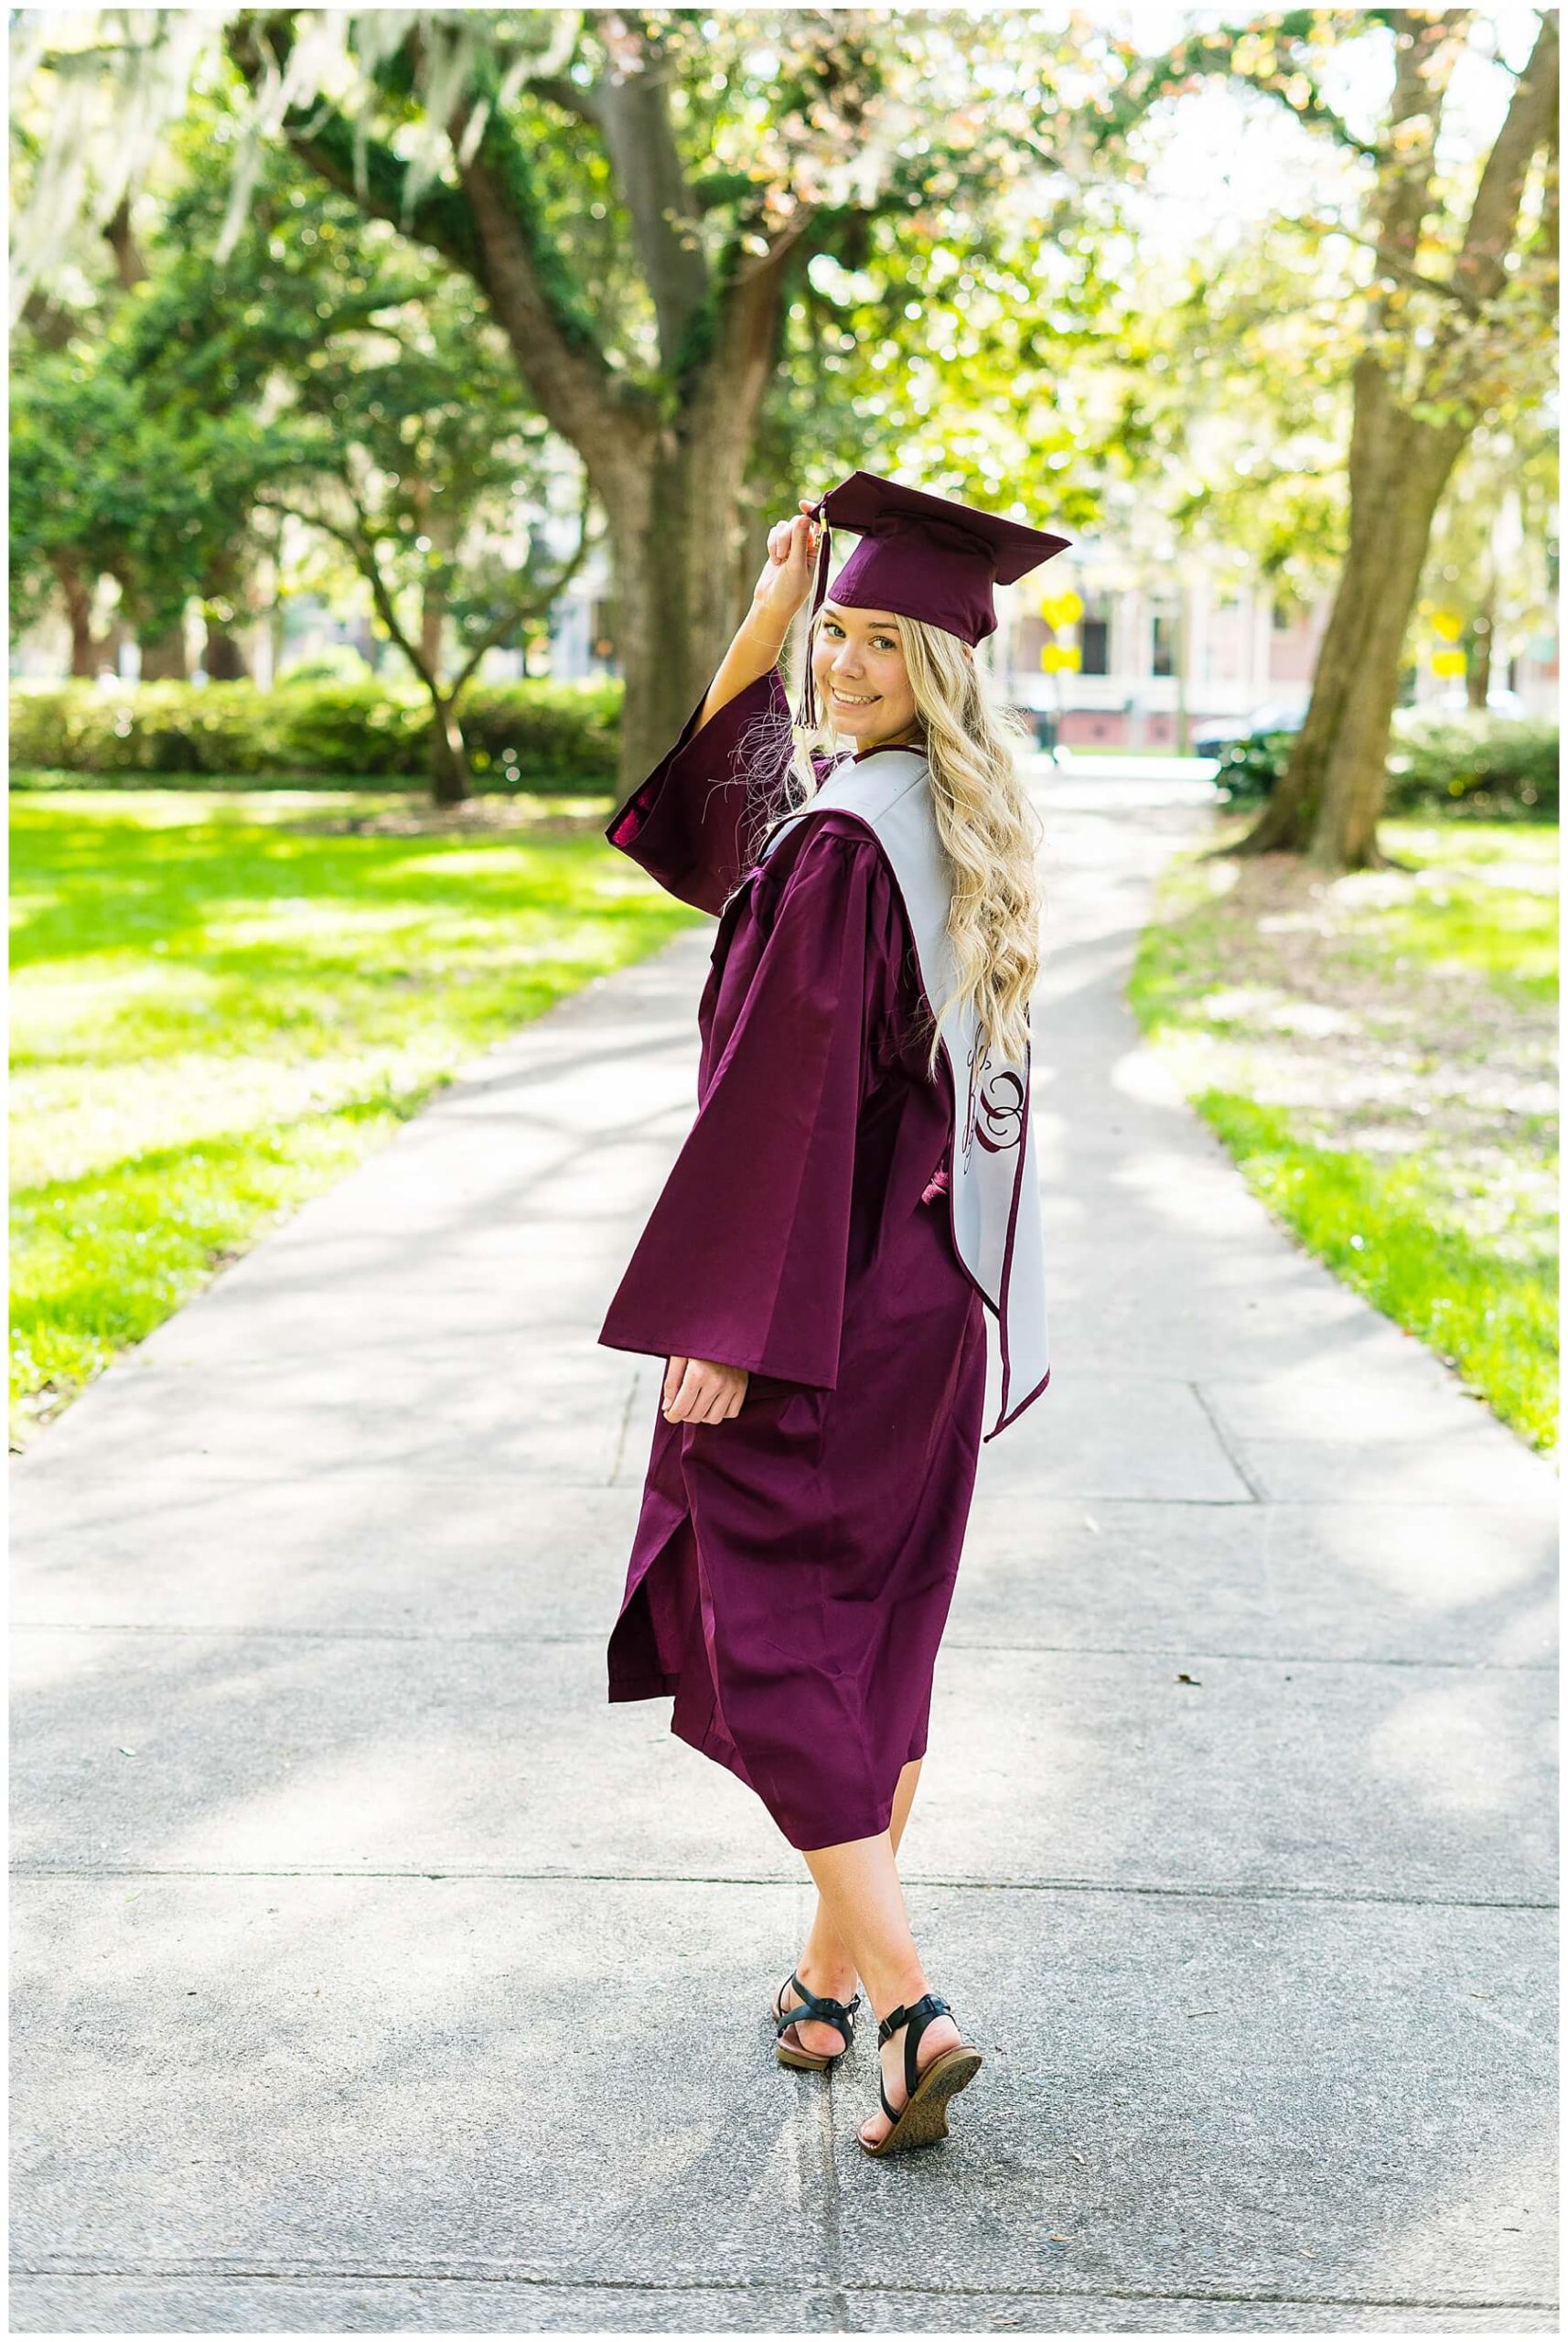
{"x": 1226, "y": 1448}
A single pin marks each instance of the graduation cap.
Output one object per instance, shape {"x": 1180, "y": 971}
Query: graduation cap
{"x": 922, "y": 557}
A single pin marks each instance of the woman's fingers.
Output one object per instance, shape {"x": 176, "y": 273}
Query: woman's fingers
{"x": 703, "y": 1392}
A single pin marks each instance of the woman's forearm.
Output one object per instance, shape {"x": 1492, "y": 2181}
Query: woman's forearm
{"x": 758, "y": 646}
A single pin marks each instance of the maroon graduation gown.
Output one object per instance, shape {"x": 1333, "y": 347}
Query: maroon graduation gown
{"x": 792, "y": 1567}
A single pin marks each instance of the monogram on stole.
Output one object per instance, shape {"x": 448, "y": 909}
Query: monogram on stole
{"x": 994, "y": 1113}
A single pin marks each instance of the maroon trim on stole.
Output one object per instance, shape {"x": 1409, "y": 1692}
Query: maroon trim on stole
{"x": 1007, "y": 1249}
{"x": 1002, "y": 1423}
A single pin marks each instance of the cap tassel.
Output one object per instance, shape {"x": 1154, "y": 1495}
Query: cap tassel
{"x": 811, "y": 715}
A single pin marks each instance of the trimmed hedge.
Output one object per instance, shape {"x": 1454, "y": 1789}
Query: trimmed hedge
{"x": 1490, "y": 767}
{"x": 560, "y": 736}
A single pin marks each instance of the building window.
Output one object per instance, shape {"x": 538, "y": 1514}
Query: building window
{"x": 1162, "y": 662}
{"x": 1284, "y": 615}
{"x": 1094, "y": 638}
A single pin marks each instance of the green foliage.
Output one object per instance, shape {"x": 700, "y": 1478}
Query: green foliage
{"x": 403, "y": 441}
{"x": 521, "y": 736}
{"x": 1247, "y": 773}
{"x": 218, "y": 1008}
{"x": 1486, "y": 766}
{"x": 1490, "y": 767}
{"x": 106, "y": 478}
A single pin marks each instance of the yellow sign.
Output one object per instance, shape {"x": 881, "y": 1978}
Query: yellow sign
{"x": 1056, "y": 656}
{"x": 1061, "y": 609}
{"x": 1447, "y": 625}
{"x": 1448, "y": 662}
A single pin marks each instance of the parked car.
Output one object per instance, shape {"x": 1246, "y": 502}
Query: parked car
{"x": 1216, "y": 739}
{"x": 1500, "y": 701}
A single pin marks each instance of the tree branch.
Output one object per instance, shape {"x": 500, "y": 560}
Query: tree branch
{"x": 359, "y": 544}
{"x": 572, "y": 97}
{"x": 732, "y": 350}
{"x": 1213, "y": 53}
{"x": 320, "y": 136}
{"x": 537, "y": 600}
{"x": 1530, "y": 122}
{"x": 536, "y": 303}
{"x": 1427, "y": 48}
{"x": 633, "y": 114}
{"x": 491, "y": 229}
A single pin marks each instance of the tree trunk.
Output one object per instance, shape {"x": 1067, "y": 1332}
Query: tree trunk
{"x": 1479, "y": 668}
{"x": 757, "y": 519}
{"x": 224, "y": 658}
{"x": 675, "y": 568}
{"x": 451, "y": 780}
{"x": 163, "y": 656}
{"x": 1330, "y": 796}
{"x": 432, "y": 618}
{"x": 78, "y": 598}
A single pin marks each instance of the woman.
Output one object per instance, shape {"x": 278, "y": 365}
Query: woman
{"x": 817, "y": 1268}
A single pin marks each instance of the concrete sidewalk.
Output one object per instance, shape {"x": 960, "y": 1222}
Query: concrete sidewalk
{"x": 374, "y": 1973}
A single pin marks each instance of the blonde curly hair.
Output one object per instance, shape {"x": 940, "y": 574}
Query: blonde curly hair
{"x": 990, "y": 832}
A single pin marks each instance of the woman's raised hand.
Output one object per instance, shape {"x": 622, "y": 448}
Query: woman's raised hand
{"x": 786, "y": 578}
{"x": 758, "y": 644}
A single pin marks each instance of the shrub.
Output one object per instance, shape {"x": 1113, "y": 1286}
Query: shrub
{"x": 1491, "y": 767}
{"x": 335, "y": 663}
{"x": 559, "y": 737}
{"x": 1247, "y": 773}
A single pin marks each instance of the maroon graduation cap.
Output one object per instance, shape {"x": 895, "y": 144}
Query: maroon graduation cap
{"x": 920, "y": 556}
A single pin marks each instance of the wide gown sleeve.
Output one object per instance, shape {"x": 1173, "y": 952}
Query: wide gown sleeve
{"x": 686, "y": 822}
{"x": 745, "y": 1258}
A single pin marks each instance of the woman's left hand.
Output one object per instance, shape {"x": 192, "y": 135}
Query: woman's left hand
{"x": 700, "y": 1391}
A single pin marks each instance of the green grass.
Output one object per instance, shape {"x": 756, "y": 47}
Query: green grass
{"x": 1490, "y": 903}
{"x": 1373, "y": 1053}
{"x": 218, "y": 1009}
{"x": 1388, "y": 1230}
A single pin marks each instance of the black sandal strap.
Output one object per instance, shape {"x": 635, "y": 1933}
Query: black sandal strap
{"x": 919, "y": 2014}
{"x": 815, "y": 2008}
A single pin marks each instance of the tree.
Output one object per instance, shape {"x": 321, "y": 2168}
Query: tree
{"x": 637, "y": 195}
{"x": 403, "y": 460}
{"x": 1457, "y": 310}
{"x": 105, "y": 481}
{"x": 391, "y": 421}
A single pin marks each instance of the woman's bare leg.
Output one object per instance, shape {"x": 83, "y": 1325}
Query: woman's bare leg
{"x": 859, "y": 1885}
{"x": 826, "y": 1964}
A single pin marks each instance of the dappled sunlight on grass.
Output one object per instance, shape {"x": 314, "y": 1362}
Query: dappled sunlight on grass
{"x": 1378, "y": 1052}
{"x": 214, "y": 1015}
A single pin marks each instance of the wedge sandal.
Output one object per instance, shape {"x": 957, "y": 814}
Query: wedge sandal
{"x": 815, "y": 2009}
{"x": 922, "y": 2120}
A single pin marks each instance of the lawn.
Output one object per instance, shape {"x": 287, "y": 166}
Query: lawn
{"x": 220, "y": 1004}
{"x": 1378, "y": 1053}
